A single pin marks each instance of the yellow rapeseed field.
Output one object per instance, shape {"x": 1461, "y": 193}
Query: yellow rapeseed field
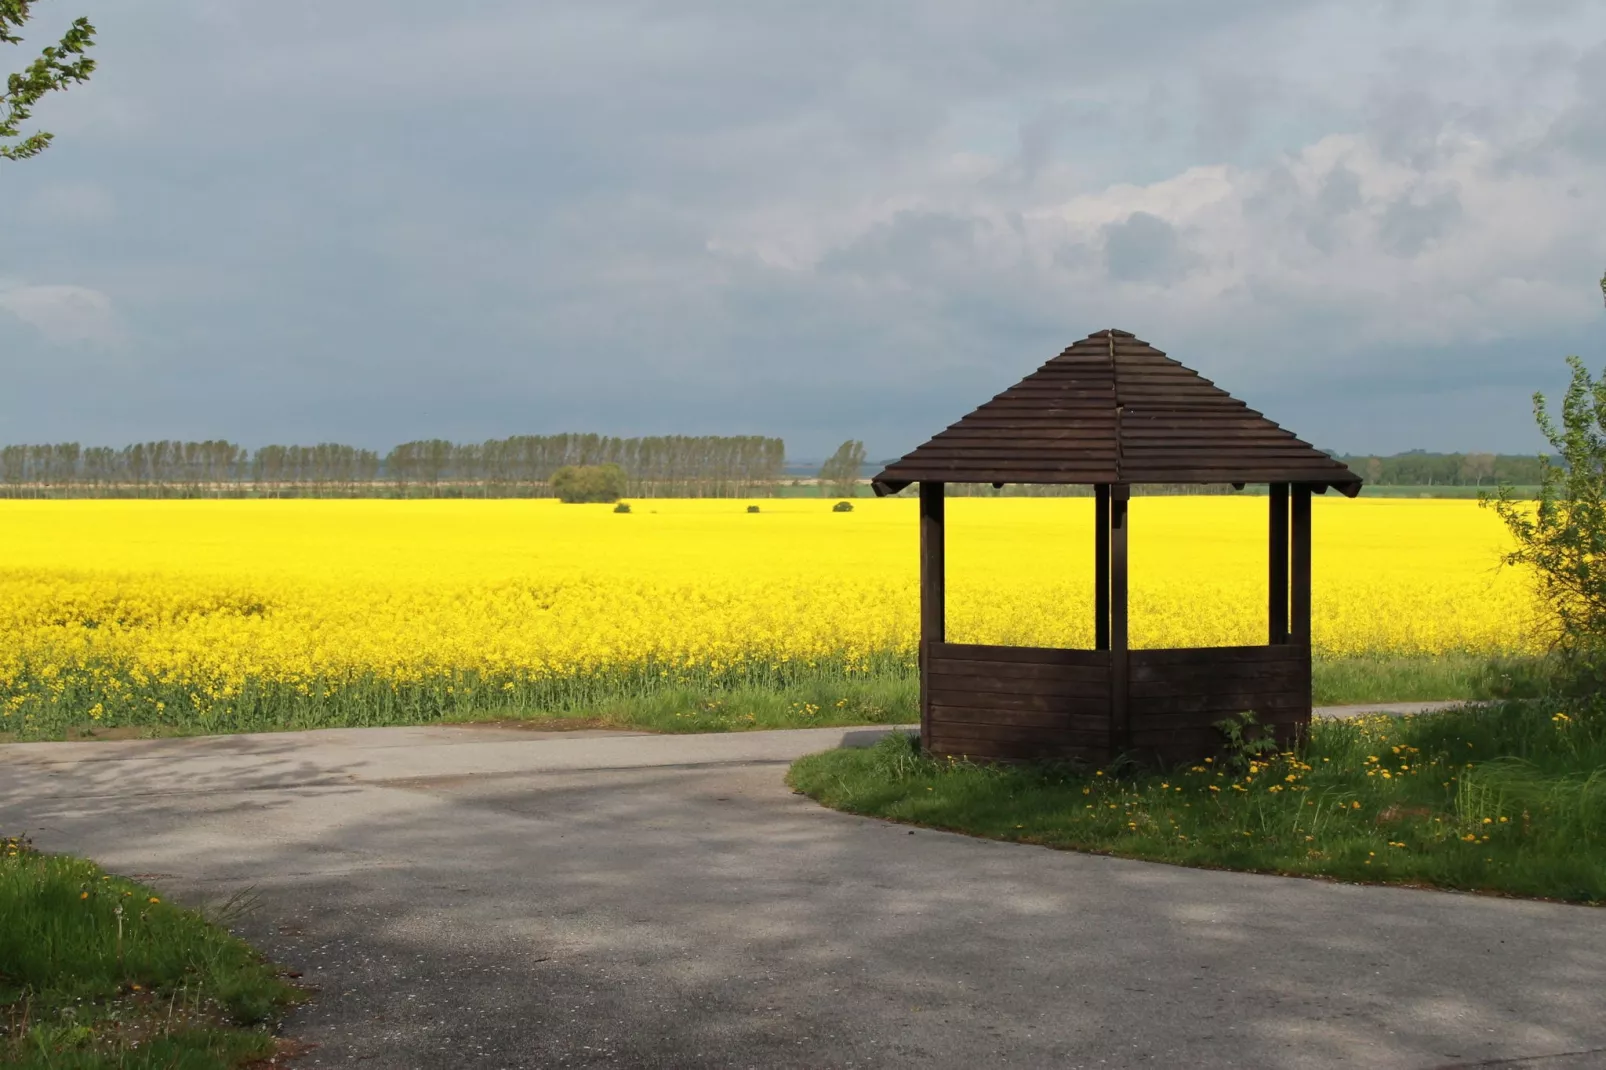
{"x": 138, "y": 610}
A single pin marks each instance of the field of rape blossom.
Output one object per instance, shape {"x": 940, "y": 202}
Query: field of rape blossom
{"x": 219, "y": 615}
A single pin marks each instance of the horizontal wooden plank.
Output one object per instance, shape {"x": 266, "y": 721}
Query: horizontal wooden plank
{"x": 1009, "y": 469}
{"x": 1203, "y": 709}
{"x": 1022, "y": 670}
{"x": 1029, "y": 419}
{"x": 1100, "y": 452}
{"x": 1204, "y": 399}
{"x": 1051, "y": 655}
{"x": 1096, "y": 386}
{"x": 1007, "y": 401}
{"x": 1043, "y": 737}
{"x": 1141, "y": 435}
{"x": 1132, "y": 421}
{"x": 1269, "y": 685}
{"x": 1247, "y": 473}
{"x": 965, "y": 435}
{"x": 1225, "y": 671}
{"x": 1272, "y": 699}
{"x": 1132, "y": 383}
{"x": 1086, "y": 720}
{"x": 932, "y": 473}
{"x": 1092, "y": 682}
{"x": 1214, "y": 454}
{"x": 1217, "y": 654}
{"x": 1208, "y": 719}
{"x": 1014, "y": 751}
{"x": 1003, "y": 700}
{"x": 1052, "y": 712}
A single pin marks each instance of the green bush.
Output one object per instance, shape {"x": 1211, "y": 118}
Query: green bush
{"x": 842, "y": 507}
{"x": 589, "y": 483}
{"x": 622, "y": 507}
{"x": 1560, "y": 535}
{"x": 752, "y": 508}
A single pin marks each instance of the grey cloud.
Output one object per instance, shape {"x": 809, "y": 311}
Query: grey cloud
{"x": 1412, "y": 222}
{"x": 385, "y": 219}
{"x": 911, "y": 243}
{"x": 1340, "y": 194}
{"x": 1144, "y": 248}
{"x": 1228, "y": 102}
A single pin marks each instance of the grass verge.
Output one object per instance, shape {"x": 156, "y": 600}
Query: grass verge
{"x": 825, "y": 697}
{"x": 1507, "y": 798}
{"x": 96, "y": 971}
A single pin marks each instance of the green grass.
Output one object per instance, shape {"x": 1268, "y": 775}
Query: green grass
{"x": 98, "y": 972}
{"x": 799, "y": 697}
{"x": 1449, "y": 677}
{"x": 1507, "y": 798}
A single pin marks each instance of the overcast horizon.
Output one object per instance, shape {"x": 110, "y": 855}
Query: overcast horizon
{"x": 1380, "y": 224}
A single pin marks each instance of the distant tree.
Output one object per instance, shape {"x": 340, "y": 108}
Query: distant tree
{"x": 839, "y": 476}
{"x": 57, "y": 66}
{"x": 1374, "y": 470}
{"x": 1477, "y": 467}
{"x": 589, "y": 483}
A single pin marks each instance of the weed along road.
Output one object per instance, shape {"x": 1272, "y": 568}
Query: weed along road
{"x": 490, "y": 897}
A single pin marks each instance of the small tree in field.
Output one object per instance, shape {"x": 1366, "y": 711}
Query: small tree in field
{"x": 839, "y": 476}
{"x": 57, "y": 65}
{"x": 589, "y": 483}
{"x": 1562, "y": 536}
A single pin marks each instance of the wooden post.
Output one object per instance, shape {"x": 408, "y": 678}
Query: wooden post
{"x": 1101, "y": 567}
{"x": 1277, "y": 586}
{"x": 1299, "y": 571}
{"x": 933, "y": 607}
{"x": 1120, "y": 713}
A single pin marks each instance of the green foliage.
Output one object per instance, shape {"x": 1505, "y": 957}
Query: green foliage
{"x": 1508, "y": 798}
{"x": 589, "y": 483}
{"x": 842, "y": 507}
{"x": 58, "y": 65}
{"x": 99, "y": 971}
{"x": 1247, "y": 741}
{"x": 1561, "y": 537}
{"x": 636, "y": 696}
{"x": 1419, "y": 468}
{"x": 839, "y": 476}
{"x": 752, "y": 508}
{"x": 622, "y": 507}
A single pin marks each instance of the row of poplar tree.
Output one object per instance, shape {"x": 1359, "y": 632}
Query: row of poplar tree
{"x": 678, "y": 466}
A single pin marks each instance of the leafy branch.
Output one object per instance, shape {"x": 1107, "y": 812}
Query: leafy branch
{"x": 58, "y": 66}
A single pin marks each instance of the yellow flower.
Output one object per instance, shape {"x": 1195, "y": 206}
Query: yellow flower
{"x": 190, "y": 612}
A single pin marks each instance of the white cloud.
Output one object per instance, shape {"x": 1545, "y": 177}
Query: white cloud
{"x": 65, "y": 315}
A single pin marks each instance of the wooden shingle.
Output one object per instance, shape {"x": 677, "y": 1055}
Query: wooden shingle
{"x": 1113, "y": 409}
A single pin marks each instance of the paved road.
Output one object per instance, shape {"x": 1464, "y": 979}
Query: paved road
{"x": 483, "y": 897}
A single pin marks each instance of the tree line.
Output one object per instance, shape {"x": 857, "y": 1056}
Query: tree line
{"x": 678, "y": 466}
{"x": 1419, "y": 468}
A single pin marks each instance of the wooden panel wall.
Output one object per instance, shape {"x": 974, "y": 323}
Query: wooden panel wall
{"x": 999, "y": 703}
{"x": 1177, "y": 696}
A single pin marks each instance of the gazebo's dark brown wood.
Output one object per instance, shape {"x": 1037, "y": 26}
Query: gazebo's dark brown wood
{"x": 1112, "y": 411}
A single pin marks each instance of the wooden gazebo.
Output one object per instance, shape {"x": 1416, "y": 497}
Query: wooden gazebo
{"x": 1113, "y": 411}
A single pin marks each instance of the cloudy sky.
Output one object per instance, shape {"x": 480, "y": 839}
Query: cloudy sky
{"x": 376, "y": 220}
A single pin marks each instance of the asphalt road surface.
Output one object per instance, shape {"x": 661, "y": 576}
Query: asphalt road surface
{"x": 489, "y": 897}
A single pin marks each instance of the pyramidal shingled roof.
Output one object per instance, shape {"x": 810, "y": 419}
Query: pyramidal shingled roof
{"x": 1113, "y": 409}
